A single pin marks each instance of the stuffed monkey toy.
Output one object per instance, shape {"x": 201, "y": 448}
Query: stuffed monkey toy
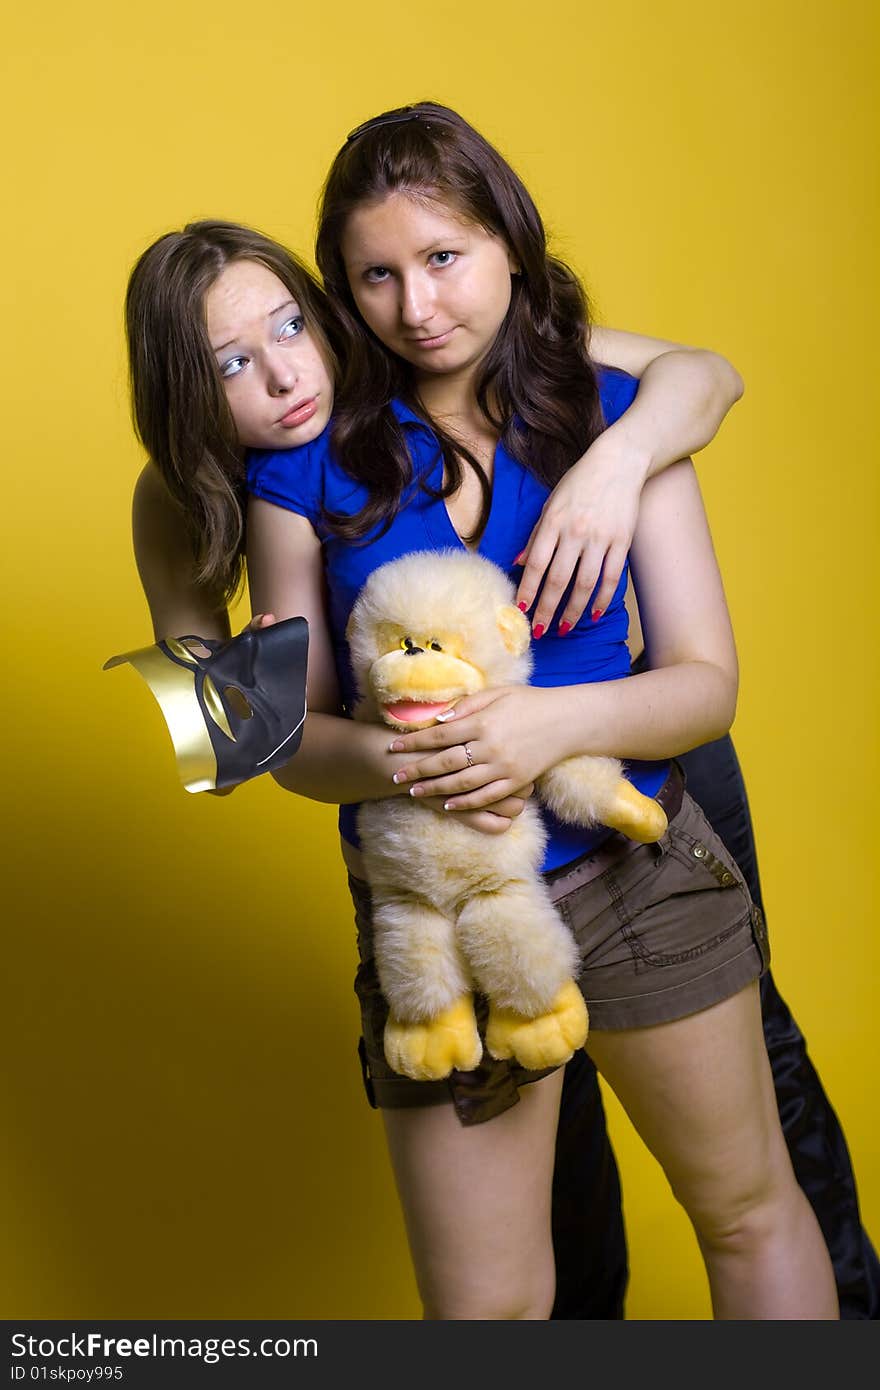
{"x": 454, "y": 910}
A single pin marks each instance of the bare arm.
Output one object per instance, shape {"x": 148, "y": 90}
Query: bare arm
{"x": 688, "y": 698}
{"x": 588, "y": 521}
{"x": 689, "y": 695}
{"x": 178, "y": 605}
{"x": 338, "y": 760}
{"x": 684, "y": 393}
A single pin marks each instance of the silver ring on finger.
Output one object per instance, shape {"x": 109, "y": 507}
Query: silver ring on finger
{"x": 469, "y": 755}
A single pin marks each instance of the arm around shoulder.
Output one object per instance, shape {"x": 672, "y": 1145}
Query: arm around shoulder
{"x": 684, "y": 393}
{"x": 635, "y": 352}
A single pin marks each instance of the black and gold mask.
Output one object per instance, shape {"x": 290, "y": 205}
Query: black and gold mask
{"x": 234, "y": 709}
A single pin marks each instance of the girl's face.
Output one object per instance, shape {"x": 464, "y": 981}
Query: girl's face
{"x": 278, "y": 388}
{"x": 433, "y": 287}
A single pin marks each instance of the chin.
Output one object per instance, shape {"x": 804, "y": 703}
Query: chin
{"x": 299, "y": 434}
{"x": 304, "y": 434}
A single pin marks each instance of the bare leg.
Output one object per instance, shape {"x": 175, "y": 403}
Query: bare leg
{"x": 700, "y": 1093}
{"x": 476, "y": 1200}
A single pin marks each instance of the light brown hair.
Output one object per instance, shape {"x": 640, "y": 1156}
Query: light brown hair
{"x": 178, "y": 402}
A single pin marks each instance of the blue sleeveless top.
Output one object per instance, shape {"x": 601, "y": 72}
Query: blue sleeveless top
{"x": 309, "y": 478}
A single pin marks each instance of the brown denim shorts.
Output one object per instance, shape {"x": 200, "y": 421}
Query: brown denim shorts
{"x": 664, "y": 930}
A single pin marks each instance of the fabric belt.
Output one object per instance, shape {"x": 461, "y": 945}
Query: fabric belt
{"x": 568, "y": 877}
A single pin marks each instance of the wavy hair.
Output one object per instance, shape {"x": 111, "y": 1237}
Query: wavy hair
{"x": 537, "y": 385}
{"x": 178, "y": 402}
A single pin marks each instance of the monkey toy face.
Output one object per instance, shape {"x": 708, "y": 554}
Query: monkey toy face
{"x": 429, "y": 628}
{"x": 419, "y": 676}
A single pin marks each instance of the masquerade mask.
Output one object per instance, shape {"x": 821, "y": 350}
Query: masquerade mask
{"x": 234, "y": 709}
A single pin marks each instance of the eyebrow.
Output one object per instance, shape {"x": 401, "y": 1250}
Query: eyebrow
{"x": 221, "y": 347}
{"x": 441, "y": 242}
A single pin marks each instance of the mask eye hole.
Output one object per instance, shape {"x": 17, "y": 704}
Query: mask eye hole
{"x": 406, "y": 643}
{"x": 197, "y": 648}
{"x": 237, "y": 702}
{"x": 435, "y": 645}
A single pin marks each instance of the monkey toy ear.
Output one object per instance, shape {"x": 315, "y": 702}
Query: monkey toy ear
{"x": 514, "y": 628}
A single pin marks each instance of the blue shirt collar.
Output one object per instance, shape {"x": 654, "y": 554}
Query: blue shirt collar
{"x": 406, "y": 416}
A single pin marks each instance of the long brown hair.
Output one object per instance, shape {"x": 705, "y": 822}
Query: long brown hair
{"x": 536, "y": 386}
{"x": 178, "y": 403}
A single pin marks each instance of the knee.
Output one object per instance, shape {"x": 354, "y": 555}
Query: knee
{"x": 498, "y": 1302}
{"x": 747, "y": 1218}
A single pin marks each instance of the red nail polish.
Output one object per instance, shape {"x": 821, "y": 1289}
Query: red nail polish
{"x": 523, "y": 607}
{"x": 597, "y": 613}
{"x": 538, "y": 631}
{"x": 564, "y": 628}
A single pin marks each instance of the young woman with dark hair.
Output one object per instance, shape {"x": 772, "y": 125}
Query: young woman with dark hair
{"x": 465, "y": 388}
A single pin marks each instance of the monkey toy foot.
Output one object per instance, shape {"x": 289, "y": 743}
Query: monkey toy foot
{"x": 547, "y": 1040}
{"x": 635, "y": 815}
{"x": 428, "y": 1051}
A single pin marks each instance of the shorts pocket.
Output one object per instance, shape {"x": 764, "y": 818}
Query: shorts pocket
{"x": 691, "y": 905}
{"x": 697, "y": 856}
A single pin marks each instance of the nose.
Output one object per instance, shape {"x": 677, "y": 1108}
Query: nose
{"x": 416, "y": 301}
{"x": 281, "y": 372}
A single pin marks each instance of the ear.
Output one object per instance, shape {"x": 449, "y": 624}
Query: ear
{"x": 514, "y": 628}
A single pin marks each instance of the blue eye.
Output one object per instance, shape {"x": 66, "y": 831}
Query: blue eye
{"x": 376, "y": 274}
{"x": 442, "y": 258}
{"x": 233, "y": 366}
{"x": 292, "y": 327}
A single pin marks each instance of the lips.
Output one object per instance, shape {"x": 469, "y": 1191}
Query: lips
{"x": 439, "y": 340}
{"x": 300, "y": 413}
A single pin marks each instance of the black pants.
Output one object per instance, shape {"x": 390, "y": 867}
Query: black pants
{"x": 588, "y": 1231}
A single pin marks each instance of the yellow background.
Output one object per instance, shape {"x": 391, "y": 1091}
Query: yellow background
{"x": 185, "y": 1131}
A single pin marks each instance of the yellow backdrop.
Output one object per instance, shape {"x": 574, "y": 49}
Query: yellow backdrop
{"x": 186, "y": 1135}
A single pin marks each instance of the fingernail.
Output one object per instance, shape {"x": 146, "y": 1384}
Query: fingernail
{"x": 416, "y": 791}
{"x": 564, "y": 628}
{"x": 538, "y": 630}
{"x": 399, "y": 777}
{"x": 448, "y": 806}
{"x": 520, "y": 557}
{"x": 447, "y": 714}
{"x": 523, "y": 607}
{"x": 396, "y": 746}
{"x": 597, "y": 613}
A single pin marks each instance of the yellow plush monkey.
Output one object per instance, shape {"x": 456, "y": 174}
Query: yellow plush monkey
{"x": 455, "y": 910}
